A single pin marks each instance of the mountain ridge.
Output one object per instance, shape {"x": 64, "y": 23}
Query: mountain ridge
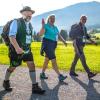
{"x": 69, "y": 15}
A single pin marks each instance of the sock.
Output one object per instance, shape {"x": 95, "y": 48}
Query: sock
{"x": 33, "y": 76}
{"x": 7, "y": 76}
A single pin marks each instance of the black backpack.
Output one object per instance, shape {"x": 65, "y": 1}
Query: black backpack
{"x": 75, "y": 31}
{"x": 5, "y": 32}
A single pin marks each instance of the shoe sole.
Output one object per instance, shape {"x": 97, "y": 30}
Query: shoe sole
{"x": 92, "y": 76}
{"x": 73, "y": 75}
{"x": 9, "y": 90}
{"x": 44, "y": 78}
{"x": 39, "y": 93}
{"x": 62, "y": 79}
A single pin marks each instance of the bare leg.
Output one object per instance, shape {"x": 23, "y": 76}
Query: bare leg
{"x": 55, "y": 66}
{"x": 31, "y": 65}
{"x": 45, "y": 65}
{"x": 8, "y": 72}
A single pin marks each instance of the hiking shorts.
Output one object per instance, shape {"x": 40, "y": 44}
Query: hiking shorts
{"x": 48, "y": 47}
{"x": 16, "y": 59}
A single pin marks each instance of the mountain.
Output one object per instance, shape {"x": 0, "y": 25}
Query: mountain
{"x": 69, "y": 15}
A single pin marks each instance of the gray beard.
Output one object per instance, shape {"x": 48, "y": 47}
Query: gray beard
{"x": 27, "y": 19}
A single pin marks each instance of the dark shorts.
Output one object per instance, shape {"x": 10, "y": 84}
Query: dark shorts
{"x": 16, "y": 59}
{"x": 48, "y": 47}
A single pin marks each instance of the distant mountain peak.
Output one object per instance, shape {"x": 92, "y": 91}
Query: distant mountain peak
{"x": 69, "y": 15}
{"x": 95, "y": 1}
{"x": 86, "y": 3}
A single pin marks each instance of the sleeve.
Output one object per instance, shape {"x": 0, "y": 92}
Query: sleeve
{"x": 13, "y": 28}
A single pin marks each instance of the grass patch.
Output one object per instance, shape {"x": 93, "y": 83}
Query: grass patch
{"x": 64, "y": 56}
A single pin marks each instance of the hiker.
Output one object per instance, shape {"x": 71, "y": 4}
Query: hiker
{"x": 79, "y": 41}
{"x": 20, "y": 35}
{"x": 49, "y": 43}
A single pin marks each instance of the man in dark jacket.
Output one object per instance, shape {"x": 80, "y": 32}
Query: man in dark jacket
{"x": 79, "y": 44}
{"x": 20, "y": 35}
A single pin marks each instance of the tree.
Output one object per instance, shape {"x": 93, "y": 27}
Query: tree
{"x": 1, "y": 41}
{"x": 64, "y": 34}
{"x": 36, "y": 37}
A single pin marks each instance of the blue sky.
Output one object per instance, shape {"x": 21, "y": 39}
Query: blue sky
{"x": 9, "y": 9}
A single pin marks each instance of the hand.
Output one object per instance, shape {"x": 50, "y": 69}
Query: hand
{"x": 19, "y": 51}
{"x": 43, "y": 22}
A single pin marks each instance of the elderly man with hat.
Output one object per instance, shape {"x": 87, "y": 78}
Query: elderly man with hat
{"x": 20, "y": 35}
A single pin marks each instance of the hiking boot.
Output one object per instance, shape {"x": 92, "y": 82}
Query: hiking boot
{"x": 61, "y": 77}
{"x": 37, "y": 90}
{"x": 90, "y": 75}
{"x": 6, "y": 85}
{"x": 43, "y": 76}
{"x": 73, "y": 74}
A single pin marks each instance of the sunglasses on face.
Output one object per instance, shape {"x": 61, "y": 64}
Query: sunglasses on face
{"x": 84, "y": 19}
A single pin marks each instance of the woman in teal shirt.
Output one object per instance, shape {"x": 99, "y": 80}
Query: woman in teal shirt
{"x": 50, "y": 37}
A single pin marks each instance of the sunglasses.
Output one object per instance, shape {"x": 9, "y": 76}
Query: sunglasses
{"x": 84, "y": 19}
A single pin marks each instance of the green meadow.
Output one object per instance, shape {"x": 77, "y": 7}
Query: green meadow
{"x": 97, "y": 35}
{"x": 64, "y": 56}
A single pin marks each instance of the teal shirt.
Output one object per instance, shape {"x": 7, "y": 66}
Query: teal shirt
{"x": 51, "y": 32}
